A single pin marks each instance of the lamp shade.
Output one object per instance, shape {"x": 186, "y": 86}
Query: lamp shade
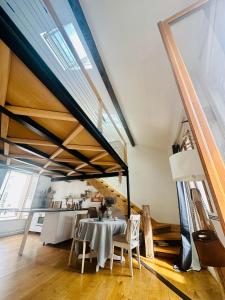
{"x": 186, "y": 166}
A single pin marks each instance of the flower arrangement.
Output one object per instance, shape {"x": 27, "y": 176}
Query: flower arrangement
{"x": 109, "y": 201}
{"x": 102, "y": 208}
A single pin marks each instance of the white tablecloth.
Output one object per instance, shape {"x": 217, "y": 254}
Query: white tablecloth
{"x": 99, "y": 234}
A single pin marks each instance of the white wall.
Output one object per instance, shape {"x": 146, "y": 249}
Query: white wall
{"x": 151, "y": 183}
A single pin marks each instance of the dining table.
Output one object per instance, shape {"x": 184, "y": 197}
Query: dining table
{"x": 99, "y": 234}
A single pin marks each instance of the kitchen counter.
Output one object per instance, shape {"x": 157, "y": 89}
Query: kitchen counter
{"x": 57, "y": 224}
{"x": 36, "y": 210}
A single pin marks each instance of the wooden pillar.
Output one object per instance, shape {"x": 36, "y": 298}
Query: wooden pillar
{"x": 128, "y": 195}
{"x": 100, "y": 114}
{"x": 148, "y": 234}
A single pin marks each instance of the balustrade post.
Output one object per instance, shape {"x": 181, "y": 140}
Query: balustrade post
{"x": 100, "y": 115}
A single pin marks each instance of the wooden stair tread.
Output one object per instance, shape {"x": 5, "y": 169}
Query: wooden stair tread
{"x": 160, "y": 226}
{"x": 167, "y": 249}
{"x": 168, "y": 236}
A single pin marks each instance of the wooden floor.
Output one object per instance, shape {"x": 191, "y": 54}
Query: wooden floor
{"x": 42, "y": 273}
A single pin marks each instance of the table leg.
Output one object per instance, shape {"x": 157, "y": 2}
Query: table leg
{"x": 26, "y": 231}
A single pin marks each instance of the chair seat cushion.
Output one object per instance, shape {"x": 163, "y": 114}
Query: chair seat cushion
{"x": 122, "y": 239}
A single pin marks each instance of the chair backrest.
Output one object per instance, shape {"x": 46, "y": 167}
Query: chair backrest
{"x": 76, "y": 221}
{"x": 92, "y": 212}
{"x": 133, "y": 228}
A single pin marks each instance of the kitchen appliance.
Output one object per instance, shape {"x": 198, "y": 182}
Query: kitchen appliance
{"x": 37, "y": 222}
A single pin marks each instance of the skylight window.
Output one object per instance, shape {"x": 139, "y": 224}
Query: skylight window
{"x": 57, "y": 45}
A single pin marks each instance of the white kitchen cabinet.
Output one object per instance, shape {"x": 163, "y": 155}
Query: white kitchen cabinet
{"x": 57, "y": 227}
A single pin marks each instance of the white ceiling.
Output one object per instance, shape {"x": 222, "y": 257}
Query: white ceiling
{"x": 129, "y": 42}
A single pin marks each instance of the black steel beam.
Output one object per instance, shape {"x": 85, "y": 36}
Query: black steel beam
{"x": 82, "y": 22}
{"x": 37, "y": 152}
{"x": 88, "y": 176}
{"x": 25, "y": 161}
{"x": 16, "y": 41}
{"x": 40, "y": 130}
{"x": 20, "y": 169}
{"x": 37, "y": 165}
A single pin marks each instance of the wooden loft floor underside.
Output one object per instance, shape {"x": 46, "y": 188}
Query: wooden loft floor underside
{"x": 38, "y": 133}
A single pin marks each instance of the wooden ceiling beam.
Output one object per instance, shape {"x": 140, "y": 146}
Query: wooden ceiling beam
{"x": 4, "y": 132}
{"x": 105, "y": 163}
{"x": 70, "y": 137}
{"x": 73, "y": 134}
{"x": 32, "y": 142}
{"x": 40, "y": 113}
{"x": 97, "y": 157}
{"x": 4, "y": 125}
{"x": 86, "y": 148}
{"x": 114, "y": 168}
{"x": 81, "y": 166}
{"x": 69, "y": 160}
{"x": 5, "y": 63}
{"x": 70, "y": 173}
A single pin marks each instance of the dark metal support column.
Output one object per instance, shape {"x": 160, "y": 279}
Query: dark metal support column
{"x": 128, "y": 195}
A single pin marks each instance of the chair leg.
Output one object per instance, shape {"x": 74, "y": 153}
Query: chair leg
{"x": 90, "y": 256}
{"x": 71, "y": 252}
{"x": 111, "y": 258}
{"x": 138, "y": 256}
{"x": 83, "y": 257}
{"x": 121, "y": 255}
{"x": 130, "y": 261}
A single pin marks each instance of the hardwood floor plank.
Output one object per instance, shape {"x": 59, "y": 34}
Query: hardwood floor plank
{"x": 42, "y": 274}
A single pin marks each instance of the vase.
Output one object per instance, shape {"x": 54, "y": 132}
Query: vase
{"x": 109, "y": 212}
